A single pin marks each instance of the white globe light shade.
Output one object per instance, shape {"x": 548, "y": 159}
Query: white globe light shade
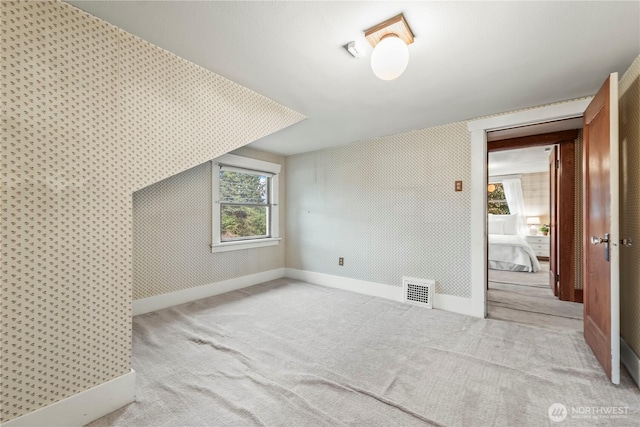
{"x": 389, "y": 58}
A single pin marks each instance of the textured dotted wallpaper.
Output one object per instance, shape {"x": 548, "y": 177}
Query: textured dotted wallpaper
{"x": 172, "y": 234}
{"x": 66, "y": 213}
{"x": 196, "y": 115}
{"x": 388, "y": 206}
{"x": 629, "y": 92}
{"x": 89, "y": 114}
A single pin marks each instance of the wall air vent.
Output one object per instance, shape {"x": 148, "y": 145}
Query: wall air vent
{"x": 418, "y": 291}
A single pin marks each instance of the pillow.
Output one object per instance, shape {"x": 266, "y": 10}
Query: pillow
{"x": 510, "y": 225}
{"x": 496, "y": 226}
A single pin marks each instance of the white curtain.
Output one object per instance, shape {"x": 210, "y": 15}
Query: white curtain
{"x": 515, "y": 200}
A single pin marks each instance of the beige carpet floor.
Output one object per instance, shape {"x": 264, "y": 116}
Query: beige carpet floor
{"x": 527, "y": 298}
{"x": 287, "y": 353}
{"x": 539, "y": 279}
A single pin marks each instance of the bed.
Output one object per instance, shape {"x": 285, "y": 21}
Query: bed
{"x": 507, "y": 249}
{"x": 511, "y": 253}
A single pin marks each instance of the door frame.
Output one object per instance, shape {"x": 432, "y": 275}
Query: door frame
{"x": 478, "y": 182}
{"x": 564, "y": 289}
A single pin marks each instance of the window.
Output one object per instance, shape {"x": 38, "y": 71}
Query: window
{"x": 245, "y": 203}
{"x": 497, "y": 203}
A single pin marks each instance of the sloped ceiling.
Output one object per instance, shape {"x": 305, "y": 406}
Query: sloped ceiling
{"x": 469, "y": 59}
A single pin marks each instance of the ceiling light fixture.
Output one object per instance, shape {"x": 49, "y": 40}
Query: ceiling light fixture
{"x": 389, "y": 40}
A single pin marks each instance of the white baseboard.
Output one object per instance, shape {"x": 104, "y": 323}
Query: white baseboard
{"x": 158, "y": 302}
{"x": 84, "y": 407}
{"x": 630, "y": 360}
{"x": 346, "y": 284}
{"x": 440, "y": 301}
{"x": 455, "y": 304}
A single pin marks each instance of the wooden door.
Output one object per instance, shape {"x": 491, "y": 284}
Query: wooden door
{"x": 553, "y": 220}
{"x": 601, "y": 228}
{"x": 565, "y": 221}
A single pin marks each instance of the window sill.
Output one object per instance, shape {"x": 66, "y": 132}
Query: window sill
{"x": 244, "y": 244}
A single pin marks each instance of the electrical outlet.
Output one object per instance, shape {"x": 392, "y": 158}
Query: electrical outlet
{"x": 340, "y": 261}
{"x": 458, "y": 185}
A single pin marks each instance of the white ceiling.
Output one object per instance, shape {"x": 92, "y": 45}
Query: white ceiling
{"x": 469, "y": 59}
{"x": 518, "y": 161}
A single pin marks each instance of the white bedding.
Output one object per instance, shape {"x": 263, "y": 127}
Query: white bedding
{"x": 513, "y": 253}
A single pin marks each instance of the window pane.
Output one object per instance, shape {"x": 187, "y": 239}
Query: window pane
{"x": 498, "y": 208}
{"x": 497, "y": 193}
{"x": 243, "y": 187}
{"x": 237, "y": 222}
{"x": 497, "y": 204}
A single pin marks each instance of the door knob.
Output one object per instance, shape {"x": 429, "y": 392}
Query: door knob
{"x": 626, "y": 242}
{"x": 598, "y": 240}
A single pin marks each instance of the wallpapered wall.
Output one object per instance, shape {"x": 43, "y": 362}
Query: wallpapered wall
{"x": 535, "y": 191}
{"x": 629, "y": 91}
{"x": 388, "y": 206}
{"x": 172, "y": 234}
{"x": 90, "y": 113}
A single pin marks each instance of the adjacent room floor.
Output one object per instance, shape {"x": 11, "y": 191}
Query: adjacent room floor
{"x": 287, "y": 353}
{"x": 527, "y": 298}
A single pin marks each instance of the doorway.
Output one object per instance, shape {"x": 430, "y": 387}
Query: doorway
{"x": 601, "y": 265}
{"x": 478, "y": 130}
{"x": 532, "y": 204}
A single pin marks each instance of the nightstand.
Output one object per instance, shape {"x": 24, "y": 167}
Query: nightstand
{"x": 540, "y": 245}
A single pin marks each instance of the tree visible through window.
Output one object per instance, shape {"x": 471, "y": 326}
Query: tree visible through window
{"x": 497, "y": 202}
{"x": 244, "y": 209}
{"x": 244, "y": 205}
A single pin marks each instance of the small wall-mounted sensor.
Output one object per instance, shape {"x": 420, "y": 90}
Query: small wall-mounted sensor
{"x": 355, "y": 49}
{"x": 458, "y": 185}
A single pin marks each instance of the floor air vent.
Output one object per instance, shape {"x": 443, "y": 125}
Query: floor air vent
{"x": 418, "y": 291}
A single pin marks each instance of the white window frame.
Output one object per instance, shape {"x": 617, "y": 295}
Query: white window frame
{"x": 254, "y": 165}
